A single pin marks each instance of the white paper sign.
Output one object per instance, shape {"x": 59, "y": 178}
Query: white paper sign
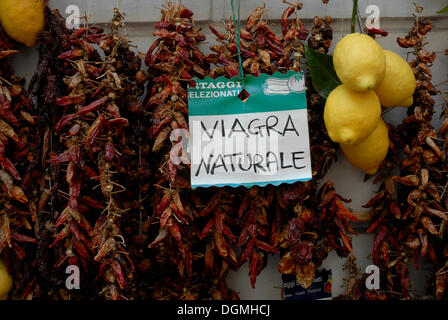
{"x": 261, "y": 141}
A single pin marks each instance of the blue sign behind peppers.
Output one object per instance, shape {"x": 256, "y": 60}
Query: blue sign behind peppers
{"x": 319, "y": 289}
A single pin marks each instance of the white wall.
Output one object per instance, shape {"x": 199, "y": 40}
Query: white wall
{"x": 394, "y": 18}
{"x": 146, "y": 10}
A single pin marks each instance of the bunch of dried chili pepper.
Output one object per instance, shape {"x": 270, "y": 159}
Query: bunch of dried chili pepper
{"x": 405, "y": 220}
{"x": 178, "y": 215}
{"x": 20, "y": 173}
{"x": 439, "y": 280}
{"x": 72, "y": 168}
{"x": 43, "y": 278}
{"x": 119, "y": 158}
{"x": 384, "y": 206}
{"x": 87, "y": 150}
{"x": 260, "y": 48}
{"x": 133, "y": 169}
{"x": 320, "y": 225}
{"x": 323, "y": 150}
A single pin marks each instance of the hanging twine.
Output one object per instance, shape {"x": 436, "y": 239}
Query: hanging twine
{"x": 238, "y": 38}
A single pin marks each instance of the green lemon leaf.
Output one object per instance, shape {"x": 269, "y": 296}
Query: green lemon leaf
{"x": 322, "y": 72}
{"x": 444, "y": 10}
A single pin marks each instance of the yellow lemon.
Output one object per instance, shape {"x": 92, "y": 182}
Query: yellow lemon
{"x": 359, "y": 62}
{"x": 23, "y": 19}
{"x": 408, "y": 102}
{"x": 398, "y": 84}
{"x": 351, "y": 116}
{"x": 5, "y": 281}
{"x": 369, "y": 154}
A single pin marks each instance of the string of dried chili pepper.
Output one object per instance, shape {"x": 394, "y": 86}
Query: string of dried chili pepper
{"x": 20, "y": 173}
{"x": 315, "y": 222}
{"x": 403, "y": 220}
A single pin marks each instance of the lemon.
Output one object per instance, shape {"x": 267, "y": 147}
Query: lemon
{"x": 351, "y": 116}
{"x": 359, "y": 62}
{"x": 398, "y": 84}
{"x": 408, "y": 102}
{"x": 369, "y": 154}
{"x": 5, "y": 281}
{"x": 22, "y": 20}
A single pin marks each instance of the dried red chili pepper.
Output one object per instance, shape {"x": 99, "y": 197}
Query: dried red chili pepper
{"x": 405, "y": 229}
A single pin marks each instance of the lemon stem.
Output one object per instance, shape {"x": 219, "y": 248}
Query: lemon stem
{"x": 354, "y": 13}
